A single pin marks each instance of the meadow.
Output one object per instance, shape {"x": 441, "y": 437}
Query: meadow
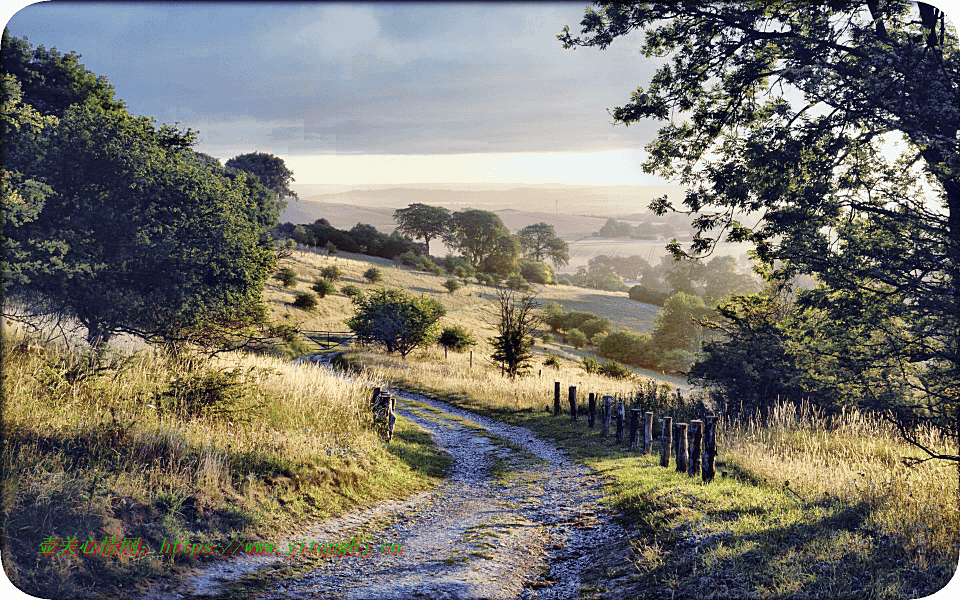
{"x": 805, "y": 505}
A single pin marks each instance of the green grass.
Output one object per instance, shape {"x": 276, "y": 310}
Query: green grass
{"x": 747, "y": 535}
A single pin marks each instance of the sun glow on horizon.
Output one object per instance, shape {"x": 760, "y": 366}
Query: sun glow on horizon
{"x": 609, "y": 167}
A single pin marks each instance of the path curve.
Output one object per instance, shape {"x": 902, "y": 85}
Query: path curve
{"x": 528, "y": 535}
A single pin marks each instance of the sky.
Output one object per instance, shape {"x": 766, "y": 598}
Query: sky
{"x": 370, "y": 93}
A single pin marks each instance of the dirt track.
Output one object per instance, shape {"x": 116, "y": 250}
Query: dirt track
{"x": 515, "y": 519}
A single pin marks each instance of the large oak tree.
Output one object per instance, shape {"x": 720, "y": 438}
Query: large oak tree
{"x": 838, "y": 126}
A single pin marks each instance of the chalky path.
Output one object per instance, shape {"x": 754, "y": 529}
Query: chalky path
{"x": 530, "y": 534}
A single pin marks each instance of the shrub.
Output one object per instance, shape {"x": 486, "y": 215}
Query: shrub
{"x": 484, "y": 279}
{"x": 331, "y": 248}
{"x": 624, "y": 346}
{"x": 590, "y": 365}
{"x": 456, "y": 338}
{"x": 615, "y": 370}
{"x": 373, "y": 275}
{"x": 305, "y": 301}
{"x": 648, "y": 296}
{"x": 452, "y": 285}
{"x": 322, "y": 287}
{"x": 546, "y": 338}
{"x": 677, "y": 361}
{"x": 536, "y": 272}
{"x": 593, "y": 327}
{"x": 287, "y": 276}
{"x": 576, "y": 338}
{"x": 515, "y": 282}
{"x": 331, "y": 273}
{"x": 551, "y": 361}
{"x": 351, "y": 291}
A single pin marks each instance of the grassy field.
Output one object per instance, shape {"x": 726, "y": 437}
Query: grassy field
{"x": 810, "y": 507}
{"x": 144, "y": 447}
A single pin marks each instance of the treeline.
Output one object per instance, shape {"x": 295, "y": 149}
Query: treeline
{"x": 643, "y": 231}
{"x": 715, "y": 279}
{"x": 118, "y": 223}
{"x": 486, "y": 248}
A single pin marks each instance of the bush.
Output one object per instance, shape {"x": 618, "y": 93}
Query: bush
{"x": 551, "y": 361}
{"x": 576, "y": 338}
{"x": 456, "y": 338}
{"x": 677, "y": 361}
{"x": 594, "y": 327}
{"x": 452, "y": 285}
{"x": 305, "y": 301}
{"x": 331, "y": 248}
{"x": 351, "y": 291}
{"x": 287, "y": 276}
{"x": 590, "y": 365}
{"x": 331, "y": 273}
{"x": 396, "y": 320}
{"x": 648, "y": 296}
{"x": 536, "y": 272}
{"x": 373, "y": 275}
{"x": 323, "y": 287}
{"x": 485, "y": 279}
{"x": 624, "y": 346}
{"x": 615, "y": 370}
{"x": 515, "y": 282}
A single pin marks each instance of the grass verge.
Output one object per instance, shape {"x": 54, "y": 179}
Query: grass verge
{"x": 140, "y": 446}
{"x": 787, "y": 523}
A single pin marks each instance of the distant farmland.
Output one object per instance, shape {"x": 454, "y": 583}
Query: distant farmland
{"x": 584, "y": 249}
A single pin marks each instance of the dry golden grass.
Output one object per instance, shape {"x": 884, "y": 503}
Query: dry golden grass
{"x": 146, "y": 447}
{"x": 855, "y": 458}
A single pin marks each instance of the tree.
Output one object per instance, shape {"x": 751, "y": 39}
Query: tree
{"x": 576, "y": 338}
{"x": 677, "y": 325}
{"x": 456, "y": 338}
{"x": 421, "y": 221}
{"x": 287, "y": 276}
{"x": 272, "y": 173}
{"x": 515, "y": 325}
{"x": 791, "y": 112}
{"x": 395, "y": 320}
{"x": 540, "y": 241}
{"x": 373, "y": 275}
{"x": 323, "y": 287}
{"x": 478, "y": 235}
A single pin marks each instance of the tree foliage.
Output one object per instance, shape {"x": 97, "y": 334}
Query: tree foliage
{"x": 272, "y": 173}
{"x": 540, "y": 242}
{"x": 421, "y": 221}
{"x": 118, "y": 223}
{"x": 394, "y": 319}
{"x": 792, "y": 113}
{"x": 516, "y": 321}
{"x": 480, "y": 236}
{"x": 456, "y": 338}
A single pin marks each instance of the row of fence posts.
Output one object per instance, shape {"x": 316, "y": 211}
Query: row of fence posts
{"x": 693, "y": 444}
{"x": 383, "y": 405}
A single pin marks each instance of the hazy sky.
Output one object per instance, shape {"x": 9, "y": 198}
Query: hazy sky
{"x": 363, "y": 92}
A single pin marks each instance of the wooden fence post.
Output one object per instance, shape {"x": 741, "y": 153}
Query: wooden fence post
{"x": 647, "y": 432}
{"x": 556, "y": 398}
{"x": 620, "y": 415}
{"x": 696, "y": 431}
{"x": 605, "y": 415}
{"x": 392, "y": 417}
{"x": 666, "y": 441}
{"x": 592, "y": 408}
{"x": 681, "y": 447}
{"x": 634, "y": 426}
{"x": 573, "y": 402}
{"x": 709, "y": 447}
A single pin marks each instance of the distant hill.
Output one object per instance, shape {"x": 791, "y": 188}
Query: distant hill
{"x": 518, "y": 207}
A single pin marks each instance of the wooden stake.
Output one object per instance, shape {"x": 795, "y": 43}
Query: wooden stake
{"x": 556, "y": 398}
{"x": 620, "y": 415}
{"x": 666, "y": 441}
{"x": 681, "y": 447}
{"x": 592, "y": 409}
{"x": 696, "y": 432}
{"x": 605, "y": 415}
{"x": 634, "y": 426}
{"x": 647, "y": 432}
{"x": 709, "y": 447}
{"x": 573, "y": 402}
